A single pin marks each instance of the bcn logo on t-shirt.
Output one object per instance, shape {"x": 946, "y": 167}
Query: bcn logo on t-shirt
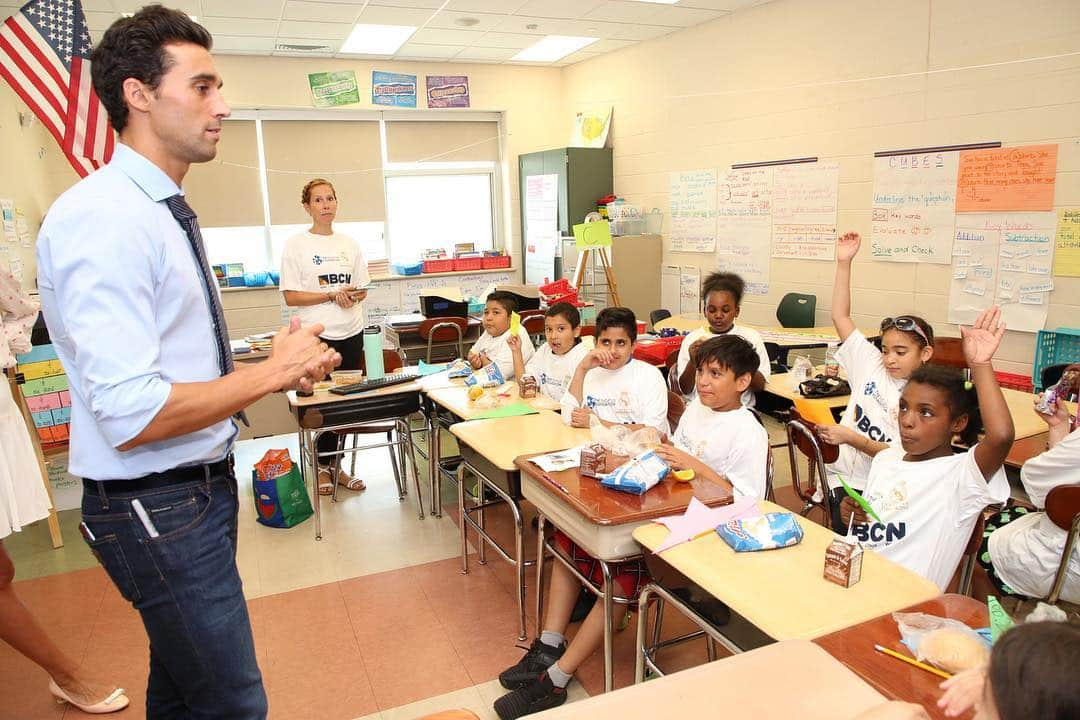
{"x": 594, "y": 402}
{"x": 334, "y": 279}
{"x": 863, "y": 425}
{"x": 880, "y": 532}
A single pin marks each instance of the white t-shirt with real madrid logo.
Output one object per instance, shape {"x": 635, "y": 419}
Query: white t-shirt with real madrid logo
{"x": 872, "y": 409}
{"x": 633, "y": 394}
{"x": 553, "y": 372}
{"x": 749, "y": 334}
{"x": 927, "y": 509}
{"x": 325, "y": 263}
{"x": 733, "y": 443}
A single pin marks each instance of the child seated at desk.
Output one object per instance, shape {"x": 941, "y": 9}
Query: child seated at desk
{"x": 927, "y": 498}
{"x": 718, "y": 438}
{"x": 492, "y": 345}
{"x": 721, "y": 298}
{"x": 610, "y": 384}
{"x": 877, "y": 378}
{"x": 554, "y": 363}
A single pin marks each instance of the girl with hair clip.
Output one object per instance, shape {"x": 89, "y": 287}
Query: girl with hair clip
{"x": 877, "y": 378}
{"x": 926, "y": 498}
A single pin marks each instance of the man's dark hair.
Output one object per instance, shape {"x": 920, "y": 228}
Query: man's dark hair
{"x": 134, "y": 47}
{"x": 617, "y": 317}
{"x": 730, "y": 352}
{"x": 506, "y": 300}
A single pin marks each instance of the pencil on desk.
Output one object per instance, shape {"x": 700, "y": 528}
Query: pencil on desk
{"x": 913, "y": 661}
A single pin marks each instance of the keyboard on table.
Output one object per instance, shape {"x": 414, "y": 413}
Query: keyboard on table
{"x": 375, "y": 383}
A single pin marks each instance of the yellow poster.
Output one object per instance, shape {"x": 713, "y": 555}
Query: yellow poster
{"x": 1067, "y": 243}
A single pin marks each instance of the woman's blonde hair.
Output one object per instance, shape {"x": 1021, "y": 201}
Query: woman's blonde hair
{"x": 305, "y": 194}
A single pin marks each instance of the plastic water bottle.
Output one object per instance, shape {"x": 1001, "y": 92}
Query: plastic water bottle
{"x": 373, "y": 364}
{"x": 832, "y": 365}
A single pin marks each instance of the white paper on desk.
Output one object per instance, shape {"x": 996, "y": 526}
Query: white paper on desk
{"x": 699, "y": 518}
{"x": 561, "y": 460}
{"x": 452, "y": 294}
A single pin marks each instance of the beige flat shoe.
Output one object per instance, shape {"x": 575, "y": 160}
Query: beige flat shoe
{"x": 115, "y": 701}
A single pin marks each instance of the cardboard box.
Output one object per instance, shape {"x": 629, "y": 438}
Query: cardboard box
{"x": 843, "y": 562}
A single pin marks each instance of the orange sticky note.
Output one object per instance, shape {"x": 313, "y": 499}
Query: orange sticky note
{"x": 815, "y": 411}
{"x": 1007, "y": 179}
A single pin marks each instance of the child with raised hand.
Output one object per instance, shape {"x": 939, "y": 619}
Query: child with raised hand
{"x": 554, "y": 362}
{"x": 721, "y": 299}
{"x": 610, "y": 384}
{"x": 927, "y": 498}
{"x": 493, "y": 345}
{"x": 877, "y": 378}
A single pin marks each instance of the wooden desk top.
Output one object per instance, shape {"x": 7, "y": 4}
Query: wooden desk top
{"x": 605, "y": 506}
{"x": 780, "y": 386}
{"x": 325, "y": 397}
{"x": 783, "y": 592}
{"x": 1026, "y": 448}
{"x": 814, "y": 686}
{"x": 503, "y": 439}
{"x": 854, "y": 647}
{"x": 1025, "y": 421}
{"x": 455, "y": 398}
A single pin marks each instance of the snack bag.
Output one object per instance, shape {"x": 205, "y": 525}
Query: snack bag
{"x": 459, "y": 368}
{"x": 949, "y": 644}
{"x": 764, "y": 532}
{"x": 281, "y": 500}
{"x": 638, "y": 475}
{"x": 801, "y": 371}
{"x": 487, "y": 376}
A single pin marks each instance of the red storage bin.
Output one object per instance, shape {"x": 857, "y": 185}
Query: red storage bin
{"x": 559, "y": 287}
{"x": 493, "y": 262}
{"x": 438, "y": 266}
{"x": 1014, "y": 381}
{"x": 468, "y": 263}
{"x": 570, "y": 297}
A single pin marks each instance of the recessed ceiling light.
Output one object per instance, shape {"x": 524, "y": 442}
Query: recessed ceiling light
{"x": 554, "y": 47}
{"x": 376, "y": 39}
{"x": 466, "y": 21}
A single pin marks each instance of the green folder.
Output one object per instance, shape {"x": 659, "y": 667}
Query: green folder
{"x": 511, "y": 410}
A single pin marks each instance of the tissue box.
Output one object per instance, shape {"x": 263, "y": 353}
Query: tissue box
{"x": 843, "y": 562}
{"x": 527, "y": 386}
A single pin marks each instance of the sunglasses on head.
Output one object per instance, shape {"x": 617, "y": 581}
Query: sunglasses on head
{"x": 904, "y": 323}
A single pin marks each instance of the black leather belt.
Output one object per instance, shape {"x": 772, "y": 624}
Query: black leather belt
{"x": 176, "y": 476}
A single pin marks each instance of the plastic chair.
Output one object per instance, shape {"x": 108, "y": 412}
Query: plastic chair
{"x": 676, "y": 406}
{"x": 657, "y": 315}
{"x": 392, "y": 361}
{"x": 534, "y": 325}
{"x": 672, "y": 369}
{"x": 588, "y": 331}
{"x": 949, "y": 351}
{"x": 777, "y": 359}
{"x": 796, "y": 310}
{"x": 770, "y": 470}
{"x": 1063, "y": 509}
{"x": 443, "y": 329}
{"x": 802, "y": 436}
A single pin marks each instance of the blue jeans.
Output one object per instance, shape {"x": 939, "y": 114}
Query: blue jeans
{"x": 186, "y": 587}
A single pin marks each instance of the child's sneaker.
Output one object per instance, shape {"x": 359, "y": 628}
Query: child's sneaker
{"x": 538, "y": 659}
{"x": 541, "y": 694}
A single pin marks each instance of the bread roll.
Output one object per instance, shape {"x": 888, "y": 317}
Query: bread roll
{"x": 954, "y": 650}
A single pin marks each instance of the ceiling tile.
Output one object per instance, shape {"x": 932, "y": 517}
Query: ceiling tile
{"x": 320, "y": 12}
{"x": 243, "y": 8}
{"x": 378, "y": 15}
{"x": 239, "y": 26}
{"x": 191, "y": 7}
{"x": 514, "y": 41}
{"x": 593, "y": 28}
{"x": 97, "y": 20}
{"x": 642, "y": 32}
{"x": 245, "y": 45}
{"x": 559, "y": 8}
{"x": 725, "y": 5}
{"x": 87, "y": 5}
{"x": 417, "y": 50}
{"x": 437, "y": 36}
{"x": 577, "y": 57}
{"x": 486, "y": 53}
{"x": 622, "y": 11}
{"x": 485, "y": 21}
{"x": 331, "y": 44}
{"x": 603, "y": 46}
{"x": 489, "y": 6}
{"x": 520, "y": 24}
{"x": 427, "y": 4}
{"x": 295, "y": 28}
{"x": 683, "y": 17}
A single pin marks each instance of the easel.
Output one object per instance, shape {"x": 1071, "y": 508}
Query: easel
{"x": 54, "y": 522}
{"x": 583, "y": 261}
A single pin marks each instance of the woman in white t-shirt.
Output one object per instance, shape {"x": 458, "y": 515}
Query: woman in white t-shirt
{"x": 721, "y": 299}
{"x": 877, "y": 377}
{"x": 1021, "y": 550}
{"x": 324, "y": 276}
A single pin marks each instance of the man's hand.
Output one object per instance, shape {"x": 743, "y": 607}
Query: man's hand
{"x": 299, "y": 357}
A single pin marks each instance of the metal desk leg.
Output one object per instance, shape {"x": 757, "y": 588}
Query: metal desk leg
{"x": 519, "y": 553}
{"x": 308, "y": 458}
{"x": 463, "y": 524}
{"x": 434, "y": 453}
{"x": 609, "y": 634}
{"x": 540, "y": 522}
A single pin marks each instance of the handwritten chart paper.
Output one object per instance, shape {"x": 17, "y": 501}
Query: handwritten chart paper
{"x": 974, "y": 268}
{"x": 744, "y": 226}
{"x": 1067, "y": 243}
{"x": 804, "y": 211}
{"x": 914, "y": 207}
{"x": 692, "y": 204}
{"x": 689, "y": 290}
{"x": 541, "y": 227}
{"x": 1007, "y": 179}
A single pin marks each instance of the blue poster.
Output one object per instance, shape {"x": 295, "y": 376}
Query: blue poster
{"x": 393, "y": 89}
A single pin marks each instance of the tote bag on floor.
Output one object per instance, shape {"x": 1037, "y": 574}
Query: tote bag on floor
{"x": 281, "y": 500}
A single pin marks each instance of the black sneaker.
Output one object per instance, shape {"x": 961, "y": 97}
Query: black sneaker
{"x": 538, "y": 659}
{"x": 539, "y": 695}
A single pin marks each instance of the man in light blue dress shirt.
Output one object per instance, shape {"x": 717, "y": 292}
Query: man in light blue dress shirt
{"x": 128, "y": 306}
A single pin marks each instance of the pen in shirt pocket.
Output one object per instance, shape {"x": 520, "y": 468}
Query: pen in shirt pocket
{"x": 144, "y": 518}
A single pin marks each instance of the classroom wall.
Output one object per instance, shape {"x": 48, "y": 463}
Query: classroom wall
{"x": 763, "y": 84}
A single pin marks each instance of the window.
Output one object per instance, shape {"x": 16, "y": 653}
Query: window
{"x": 437, "y": 211}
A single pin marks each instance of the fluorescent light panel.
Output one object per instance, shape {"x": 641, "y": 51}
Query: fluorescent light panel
{"x": 376, "y": 39}
{"x": 554, "y": 47}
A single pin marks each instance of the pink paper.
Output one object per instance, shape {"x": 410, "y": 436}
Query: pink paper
{"x": 699, "y": 519}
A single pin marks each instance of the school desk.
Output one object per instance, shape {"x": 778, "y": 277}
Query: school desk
{"x": 782, "y": 592}
{"x": 1021, "y": 406}
{"x": 488, "y": 449}
{"x": 790, "y": 679}
{"x": 602, "y": 522}
{"x": 780, "y": 386}
{"x": 326, "y": 412}
{"x": 854, "y": 647}
{"x": 402, "y": 331}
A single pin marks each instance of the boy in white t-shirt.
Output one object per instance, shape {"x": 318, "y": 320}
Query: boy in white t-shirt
{"x": 610, "y": 384}
{"x": 721, "y": 297}
{"x": 553, "y": 364}
{"x": 492, "y": 345}
{"x": 926, "y": 498}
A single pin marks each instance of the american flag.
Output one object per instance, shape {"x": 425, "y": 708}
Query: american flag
{"x": 45, "y": 57}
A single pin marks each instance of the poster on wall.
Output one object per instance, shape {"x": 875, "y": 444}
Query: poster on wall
{"x": 974, "y": 269}
{"x": 590, "y": 129}
{"x": 7, "y": 212}
{"x": 689, "y": 290}
{"x": 692, "y": 204}
{"x": 447, "y": 91}
{"x": 394, "y": 89}
{"x": 914, "y": 210}
{"x": 333, "y": 89}
{"x": 541, "y": 227}
{"x": 804, "y": 211}
{"x": 1067, "y": 243}
{"x": 744, "y": 225}
{"x": 1007, "y": 179}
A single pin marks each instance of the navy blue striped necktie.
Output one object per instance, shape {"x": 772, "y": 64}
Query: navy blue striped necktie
{"x": 186, "y": 217}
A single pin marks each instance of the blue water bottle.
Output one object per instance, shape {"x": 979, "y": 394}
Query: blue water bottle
{"x": 373, "y": 352}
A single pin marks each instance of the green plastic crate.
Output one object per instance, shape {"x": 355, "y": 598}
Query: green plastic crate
{"x": 1054, "y": 347}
